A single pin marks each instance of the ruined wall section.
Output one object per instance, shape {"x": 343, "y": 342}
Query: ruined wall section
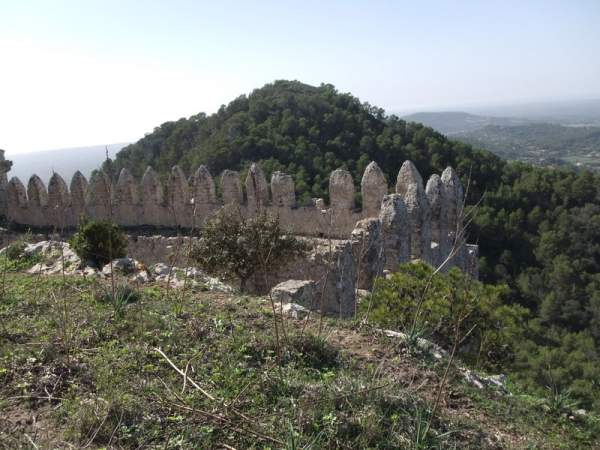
{"x": 4, "y": 169}
{"x": 416, "y": 221}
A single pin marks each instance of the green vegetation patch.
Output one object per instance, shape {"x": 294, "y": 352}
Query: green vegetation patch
{"x": 100, "y": 377}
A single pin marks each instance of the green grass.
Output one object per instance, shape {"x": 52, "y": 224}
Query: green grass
{"x": 92, "y": 375}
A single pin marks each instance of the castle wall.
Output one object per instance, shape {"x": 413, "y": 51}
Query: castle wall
{"x": 417, "y": 222}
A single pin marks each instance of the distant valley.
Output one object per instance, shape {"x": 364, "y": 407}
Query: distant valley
{"x": 522, "y": 139}
{"x": 62, "y": 161}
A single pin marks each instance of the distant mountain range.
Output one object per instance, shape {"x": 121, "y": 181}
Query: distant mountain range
{"x": 64, "y": 161}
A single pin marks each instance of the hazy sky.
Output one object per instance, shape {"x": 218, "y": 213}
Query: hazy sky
{"x": 76, "y": 73}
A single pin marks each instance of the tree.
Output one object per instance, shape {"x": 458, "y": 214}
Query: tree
{"x": 233, "y": 246}
{"x": 99, "y": 241}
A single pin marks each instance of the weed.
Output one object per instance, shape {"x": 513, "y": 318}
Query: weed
{"x": 122, "y": 296}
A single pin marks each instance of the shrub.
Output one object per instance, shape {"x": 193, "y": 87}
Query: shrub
{"x": 99, "y": 241}
{"x": 417, "y": 302}
{"x": 14, "y": 257}
{"x": 233, "y": 246}
{"x": 122, "y": 296}
{"x": 15, "y": 250}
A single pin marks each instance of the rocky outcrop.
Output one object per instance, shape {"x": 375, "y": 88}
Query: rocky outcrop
{"x": 300, "y": 292}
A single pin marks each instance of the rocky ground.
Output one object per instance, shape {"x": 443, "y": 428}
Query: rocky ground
{"x": 57, "y": 257}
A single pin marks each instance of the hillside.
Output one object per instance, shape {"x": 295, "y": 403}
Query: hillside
{"x": 540, "y": 143}
{"x": 451, "y": 123}
{"x": 64, "y": 161}
{"x": 306, "y": 131}
{"x": 537, "y": 228}
{"x": 196, "y": 368}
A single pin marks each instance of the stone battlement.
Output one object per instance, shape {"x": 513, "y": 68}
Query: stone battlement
{"x": 418, "y": 221}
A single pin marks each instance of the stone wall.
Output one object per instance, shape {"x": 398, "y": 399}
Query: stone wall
{"x": 4, "y": 169}
{"x": 418, "y": 221}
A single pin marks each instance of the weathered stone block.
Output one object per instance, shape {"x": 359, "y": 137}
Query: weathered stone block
{"x": 395, "y": 231}
{"x": 373, "y": 188}
{"x": 301, "y": 292}
{"x": 282, "y": 190}
{"x": 257, "y": 189}
{"x": 341, "y": 190}
{"x": 231, "y": 188}
{"x": 368, "y": 250}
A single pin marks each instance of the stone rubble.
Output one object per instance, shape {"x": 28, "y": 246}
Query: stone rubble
{"x": 301, "y": 292}
{"x": 54, "y": 253}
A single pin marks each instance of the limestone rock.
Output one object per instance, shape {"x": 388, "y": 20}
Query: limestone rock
{"x": 407, "y": 175}
{"x": 292, "y": 310}
{"x": 367, "y": 247}
{"x": 231, "y": 187}
{"x": 320, "y": 203}
{"x": 126, "y": 190}
{"x": 57, "y": 256}
{"x": 36, "y": 192}
{"x": 419, "y": 218}
{"x": 257, "y": 189}
{"x": 341, "y": 190}
{"x": 58, "y": 193}
{"x": 178, "y": 199}
{"x": 395, "y": 231}
{"x": 332, "y": 267}
{"x": 438, "y": 203}
{"x": 203, "y": 192}
{"x": 78, "y": 190}
{"x": 282, "y": 190}
{"x": 160, "y": 269}
{"x": 301, "y": 292}
{"x": 373, "y": 188}
{"x": 140, "y": 277}
{"x": 454, "y": 193}
{"x": 5, "y": 167}
{"x": 17, "y": 195}
{"x": 153, "y": 198}
{"x": 123, "y": 266}
{"x": 98, "y": 196}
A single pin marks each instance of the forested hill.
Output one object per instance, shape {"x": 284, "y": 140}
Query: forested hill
{"x": 538, "y": 228}
{"x": 306, "y": 131}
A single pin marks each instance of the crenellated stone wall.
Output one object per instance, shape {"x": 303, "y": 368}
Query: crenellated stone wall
{"x": 4, "y": 169}
{"x": 415, "y": 221}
